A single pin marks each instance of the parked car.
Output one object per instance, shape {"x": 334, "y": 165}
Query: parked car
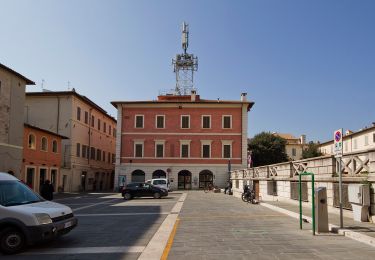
{"x": 140, "y": 189}
{"x": 160, "y": 182}
{"x": 26, "y": 218}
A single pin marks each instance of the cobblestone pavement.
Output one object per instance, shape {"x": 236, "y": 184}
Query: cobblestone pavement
{"x": 218, "y": 226}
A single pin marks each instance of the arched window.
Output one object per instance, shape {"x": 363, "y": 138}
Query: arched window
{"x": 159, "y": 174}
{"x": 138, "y": 176}
{"x": 44, "y": 144}
{"x": 31, "y": 141}
{"x": 54, "y": 146}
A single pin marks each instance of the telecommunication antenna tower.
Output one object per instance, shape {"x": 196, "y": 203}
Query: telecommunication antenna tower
{"x": 184, "y": 66}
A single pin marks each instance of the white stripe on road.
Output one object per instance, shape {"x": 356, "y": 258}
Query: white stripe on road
{"x": 135, "y": 203}
{"x": 121, "y": 214}
{"x": 155, "y": 248}
{"x": 87, "y": 250}
{"x": 93, "y": 205}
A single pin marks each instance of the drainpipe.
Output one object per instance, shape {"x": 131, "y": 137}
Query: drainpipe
{"x": 58, "y": 115}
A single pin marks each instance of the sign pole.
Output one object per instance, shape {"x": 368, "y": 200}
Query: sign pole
{"x": 340, "y": 194}
{"x": 338, "y": 149}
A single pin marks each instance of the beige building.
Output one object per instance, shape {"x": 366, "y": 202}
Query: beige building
{"x": 12, "y": 97}
{"x": 359, "y": 141}
{"x": 89, "y": 153}
{"x": 294, "y": 146}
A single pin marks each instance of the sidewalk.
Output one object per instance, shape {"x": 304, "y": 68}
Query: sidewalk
{"x": 360, "y": 231}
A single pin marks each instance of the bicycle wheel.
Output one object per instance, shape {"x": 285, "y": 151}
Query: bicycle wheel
{"x": 244, "y": 197}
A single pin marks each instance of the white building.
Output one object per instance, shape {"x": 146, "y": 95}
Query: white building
{"x": 362, "y": 140}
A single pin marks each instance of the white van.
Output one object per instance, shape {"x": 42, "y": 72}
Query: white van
{"x": 26, "y": 218}
{"x": 161, "y": 183}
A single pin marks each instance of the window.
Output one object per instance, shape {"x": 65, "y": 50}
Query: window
{"x": 373, "y": 137}
{"x": 98, "y": 154}
{"x": 355, "y": 143}
{"x": 86, "y": 117}
{"x": 54, "y": 146}
{"x": 114, "y": 132}
{"x": 346, "y": 146}
{"x": 103, "y": 156}
{"x": 44, "y": 144}
{"x": 184, "y": 150}
{"x": 109, "y": 129}
{"x": 227, "y": 151}
{"x": 185, "y": 121}
{"x": 105, "y": 127}
{"x": 139, "y": 121}
{"x": 159, "y": 121}
{"x": 138, "y": 150}
{"x": 109, "y": 158}
{"x": 159, "y": 150}
{"x": 206, "y": 121}
{"x": 113, "y": 158}
{"x": 78, "y": 150}
{"x": 206, "y": 151}
{"x": 294, "y": 152}
{"x": 0, "y": 87}
{"x": 366, "y": 140}
{"x": 84, "y": 151}
{"x": 92, "y": 121}
{"x": 99, "y": 124}
{"x": 78, "y": 113}
{"x": 92, "y": 153}
{"x": 31, "y": 142}
{"x": 227, "y": 122}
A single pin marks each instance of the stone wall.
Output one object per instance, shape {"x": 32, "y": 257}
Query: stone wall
{"x": 358, "y": 167}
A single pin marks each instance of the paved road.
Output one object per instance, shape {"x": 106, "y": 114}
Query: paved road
{"x": 109, "y": 227}
{"x": 218, "y": 226}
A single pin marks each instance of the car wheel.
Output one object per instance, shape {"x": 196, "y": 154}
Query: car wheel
{"x": 157, "y": 195}
{"x": 127, "y": 196}
{"x": 11, "y": 241}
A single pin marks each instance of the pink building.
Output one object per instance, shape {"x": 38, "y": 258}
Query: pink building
{"x": 41, "y": 157}
{"x": 189, "y": 140}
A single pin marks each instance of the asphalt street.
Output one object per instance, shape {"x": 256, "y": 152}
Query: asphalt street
{"x": 108, "y": 227}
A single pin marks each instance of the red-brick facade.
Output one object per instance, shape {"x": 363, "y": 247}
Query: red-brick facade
{"x": 199, "y": 165}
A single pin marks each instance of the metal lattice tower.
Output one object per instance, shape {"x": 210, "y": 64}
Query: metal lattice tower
{"x": 184, "y": 66}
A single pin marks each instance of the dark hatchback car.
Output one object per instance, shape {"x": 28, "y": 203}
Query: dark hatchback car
{"x": 139, "y": 189}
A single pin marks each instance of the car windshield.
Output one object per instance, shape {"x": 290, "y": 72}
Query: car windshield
{"x": 13, "y": 193}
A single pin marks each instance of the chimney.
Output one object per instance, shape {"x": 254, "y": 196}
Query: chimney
{"x": 193, "y": 95}
{"x": 243, "y": 97}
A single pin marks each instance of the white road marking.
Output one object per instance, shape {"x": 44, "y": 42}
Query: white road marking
{"x": 155, "y": 248}
{"x": 135, "y": 203}
{"x": 93, "y": 205}
{"x": 87, "y": 250}
{"x": 121, "y": 214}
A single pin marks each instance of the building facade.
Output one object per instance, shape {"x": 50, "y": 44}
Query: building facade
{"x": 294, "y": 146}
{"x": 361, "y": 140}
{"x": 188, "y": 140}
{"x": 41, "y": 157}
{"x": 12, "y": 98}
{"x": 88, "y": 154}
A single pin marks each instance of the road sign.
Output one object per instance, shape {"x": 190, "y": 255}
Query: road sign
{"x": 337, "y": 142}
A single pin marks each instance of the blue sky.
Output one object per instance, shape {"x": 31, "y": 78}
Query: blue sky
{"x": 309, "y": 66}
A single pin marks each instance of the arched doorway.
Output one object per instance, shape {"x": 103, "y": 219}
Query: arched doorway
{"x": 159, "y": 174}
{"x": 138, "y": 176}
{"x": 206, "y": 178}
{"x": 184, "y": 180}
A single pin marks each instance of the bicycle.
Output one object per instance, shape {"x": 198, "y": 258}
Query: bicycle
{"x": 210, "y": 187}
{"x": 248, "y": 195}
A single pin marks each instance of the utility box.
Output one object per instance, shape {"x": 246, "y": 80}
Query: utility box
{"x": 321, "y": 210}
{"x": 359, "y": 197}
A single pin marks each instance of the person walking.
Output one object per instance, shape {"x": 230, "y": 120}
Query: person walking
{"x": 47, "y": 190}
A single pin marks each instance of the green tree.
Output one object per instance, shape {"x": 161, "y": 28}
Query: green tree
{"x": 267, "y": 148}
{"x": 311, "y": 151}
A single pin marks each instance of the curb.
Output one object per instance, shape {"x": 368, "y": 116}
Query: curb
{"x": 333, "y": 228}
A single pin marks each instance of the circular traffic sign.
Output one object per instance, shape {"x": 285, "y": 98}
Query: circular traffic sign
{"x": 338, "y": 136}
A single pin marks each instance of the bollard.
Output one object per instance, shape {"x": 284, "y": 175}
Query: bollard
{"x": 321, "y": 210}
